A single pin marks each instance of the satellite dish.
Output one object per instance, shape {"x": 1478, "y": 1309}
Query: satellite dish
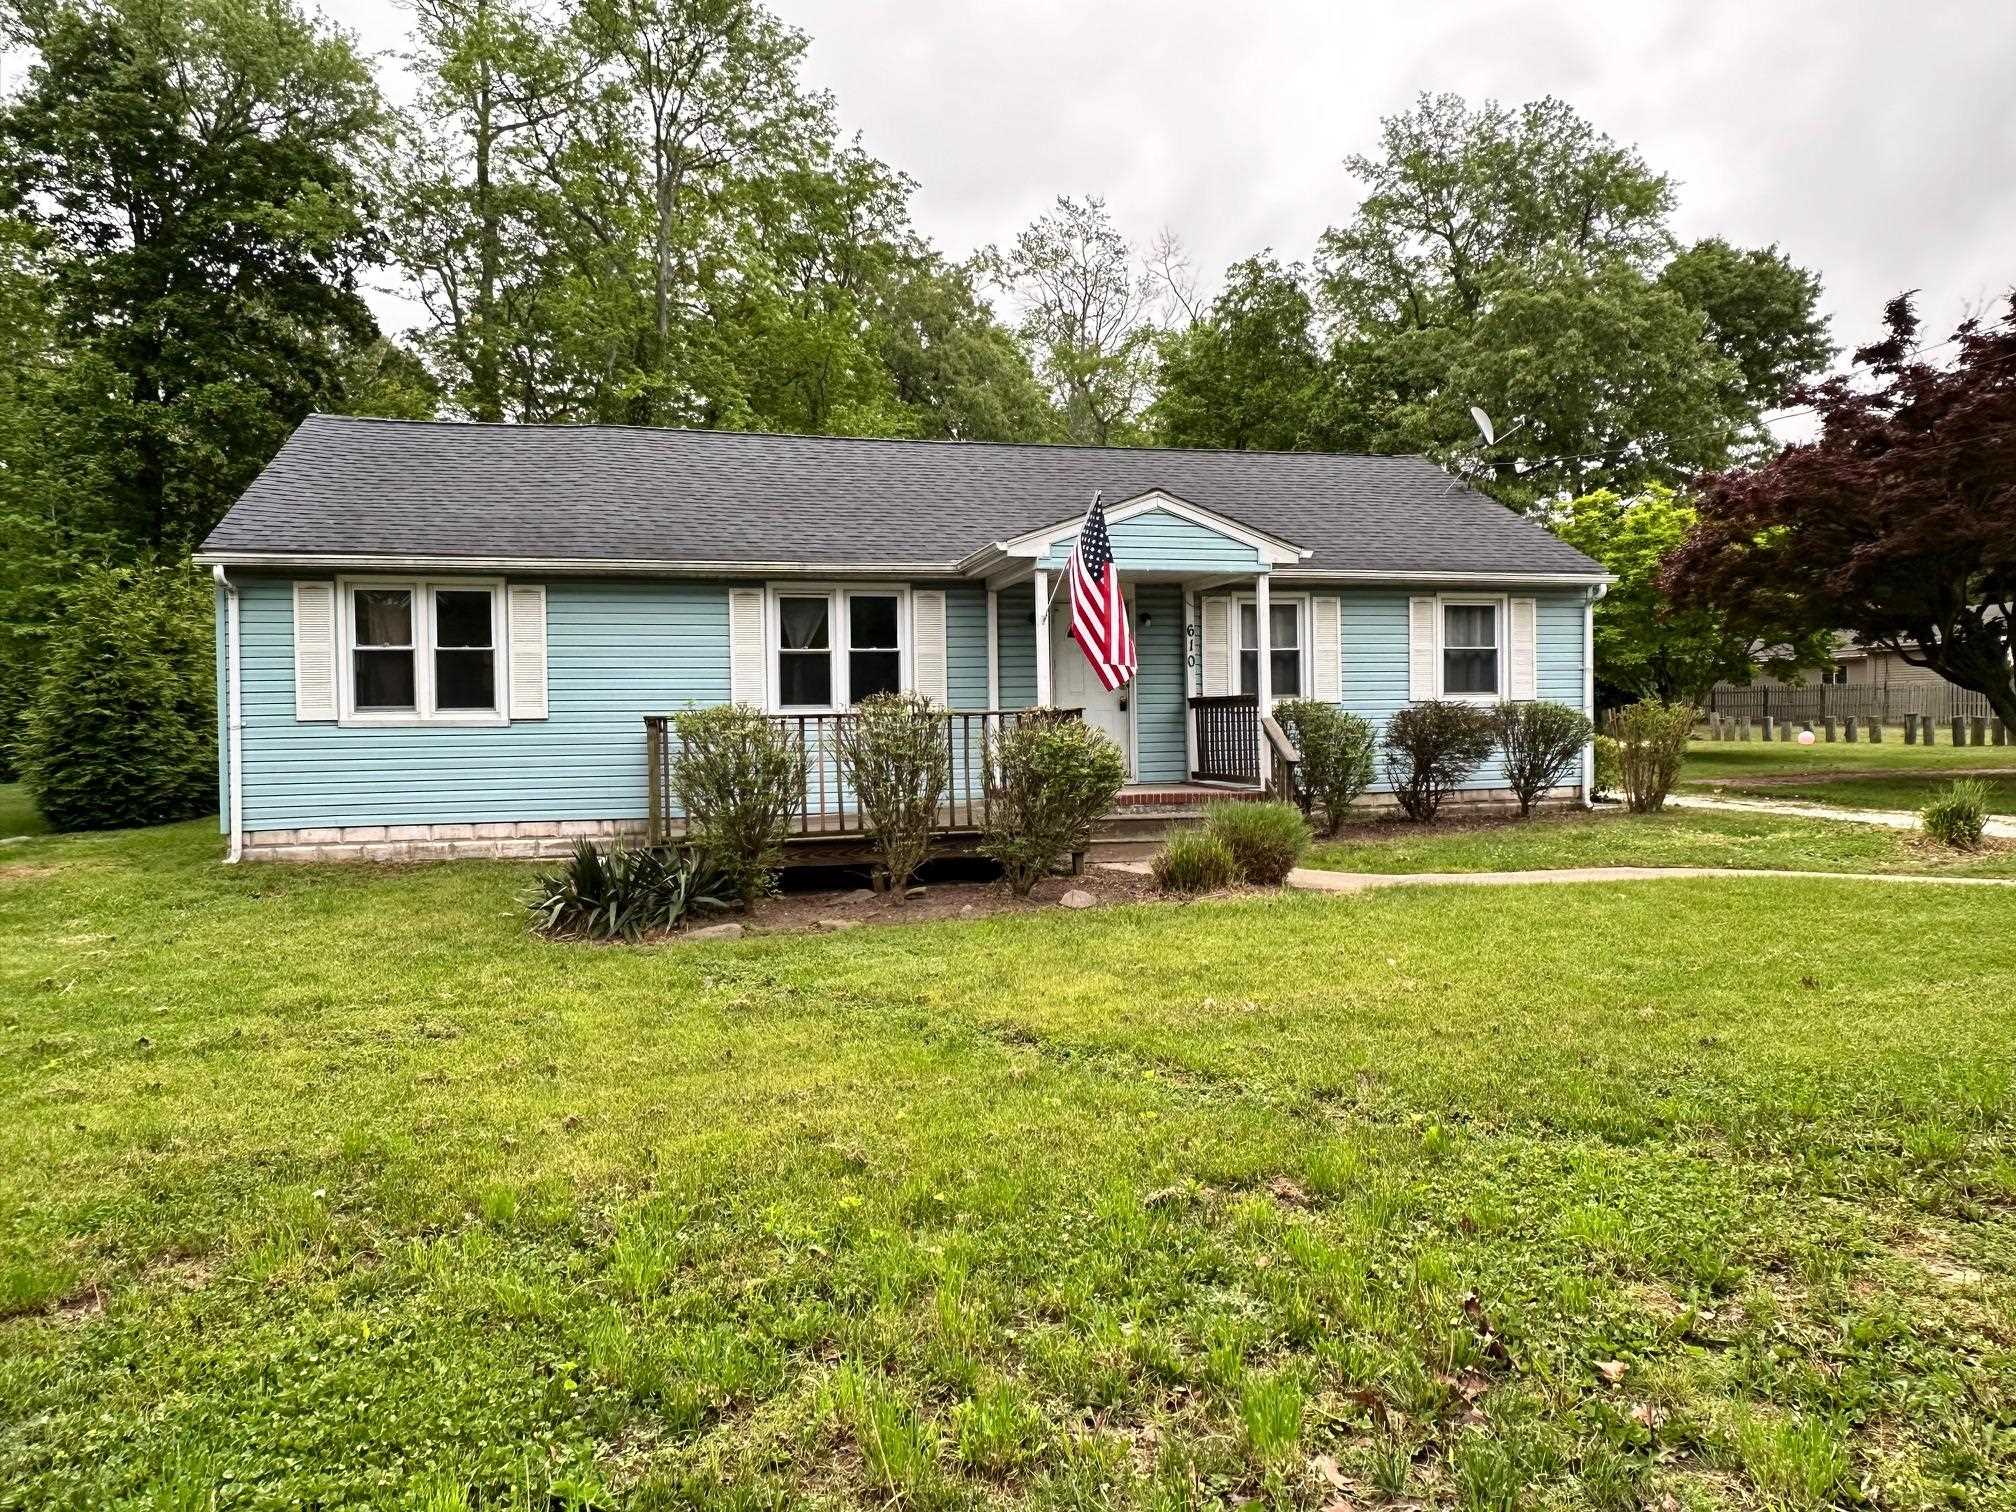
{"x": 1484, "y": 425}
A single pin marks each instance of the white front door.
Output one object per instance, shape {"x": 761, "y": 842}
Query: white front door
{"x": 1073, "y": 685}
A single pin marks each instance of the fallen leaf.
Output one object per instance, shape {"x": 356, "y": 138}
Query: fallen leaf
{"x": 1612, "y": 1371}
{"x": 1647, "y": 1416}
{"x": 1328, "y": 1468}
{"x": 1287, "y": 1191}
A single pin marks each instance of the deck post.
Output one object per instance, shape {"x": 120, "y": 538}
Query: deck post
{"x": 1042, "y": 639}
{"x": 993, "y": 648}
{"x": 1263, "y": 675}
{"x": 1193, "y": 656}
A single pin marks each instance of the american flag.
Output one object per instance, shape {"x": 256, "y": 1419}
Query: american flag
{"x": 1098, "y": 613}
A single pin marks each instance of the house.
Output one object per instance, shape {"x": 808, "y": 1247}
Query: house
{"x": 441, "y": 639}
{"x": 1870, "y": 682}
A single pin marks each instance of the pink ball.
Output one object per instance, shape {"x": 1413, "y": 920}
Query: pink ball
{"x": 1805, "y": 737}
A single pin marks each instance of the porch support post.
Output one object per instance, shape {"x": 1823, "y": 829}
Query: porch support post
{"x": 993, "y": 648}
{"x": 1193, "y": 656}
{"x": 1263, "y": 677}
{"x": 1042, "y": 638}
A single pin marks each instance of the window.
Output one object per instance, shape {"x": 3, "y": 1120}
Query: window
{"x": 1835, "y": 676}
{"x": 1284, "y": 635}
{"x": 381, "y": 660}
{"x": 837, "y": 646}
{"x": 804, "y": 652}
{"x": 422, "y": 652}
{"x": 1470, "y": 650}
{"x": 465, "y": 657}
{"x": 874, "y": 655}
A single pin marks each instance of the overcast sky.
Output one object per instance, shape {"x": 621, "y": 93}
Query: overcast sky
{"x": 1873, "y": 140}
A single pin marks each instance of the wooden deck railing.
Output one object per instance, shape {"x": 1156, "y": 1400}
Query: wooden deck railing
{"x": 1228, "y": 738}
{"x": 1283, "y": 760}
{"x": 828, "y": 807}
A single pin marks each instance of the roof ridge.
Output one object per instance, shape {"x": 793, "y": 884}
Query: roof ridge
{"x": 696, "y": 430}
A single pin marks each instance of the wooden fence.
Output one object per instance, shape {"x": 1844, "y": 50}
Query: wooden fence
{"x": 1865, "y": 701}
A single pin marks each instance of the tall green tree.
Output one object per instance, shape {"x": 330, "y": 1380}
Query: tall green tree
{"x": 195, "y": 170}
{"x": 1086, "y": 312}
{"x": 1249, "y": 373}
{"x": 1522, "y": 261}
{"x": 1646, "y": 645}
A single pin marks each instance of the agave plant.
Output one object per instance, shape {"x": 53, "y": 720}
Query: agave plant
{"x": 624, "y": 894}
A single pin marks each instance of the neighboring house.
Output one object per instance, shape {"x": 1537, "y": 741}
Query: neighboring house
{"x": 1868, "y": 681}
{"x": 439, "y": 639}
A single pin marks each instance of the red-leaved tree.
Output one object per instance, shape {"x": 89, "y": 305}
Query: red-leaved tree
{"x": 1898, "y": 523}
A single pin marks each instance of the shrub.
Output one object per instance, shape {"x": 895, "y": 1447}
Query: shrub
{"x": 123, "y": 729}
{"x": 893, "y": 754}
{"x": 1959, "y": 816}
{"x": 1431, "y": 750}
{"x": 739, "y": 778}
{"x": 1651, "y": 741}
{"x": 1194, "y": 861}
{"x": 1266, "y": 839}
{"x": 1048, "y": 780}
{"x": 1609, "y": 767}
{"x": 1539, "y": 742}
{"x": 1336, "y": 752}
{"x": 625, "y": 893}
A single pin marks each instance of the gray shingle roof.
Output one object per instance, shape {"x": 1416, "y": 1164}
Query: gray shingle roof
{"x": 614, "y": 494}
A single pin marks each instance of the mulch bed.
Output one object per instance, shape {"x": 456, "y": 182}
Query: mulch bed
{"x": 814, "y": 912}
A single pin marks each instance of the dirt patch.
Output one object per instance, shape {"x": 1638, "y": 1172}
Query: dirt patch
{"x": 21, "y": 871}
{"x": 821, "y": 912}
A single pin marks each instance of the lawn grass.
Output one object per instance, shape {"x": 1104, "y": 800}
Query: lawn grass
{"x": 1888, "y": 776}
{"x": 17, "y": 812}
{"x": 1555, "y": 839}
{"x": 331, "y": 1186}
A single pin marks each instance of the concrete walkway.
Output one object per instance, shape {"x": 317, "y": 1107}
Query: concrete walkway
{"x": 1310, "y": 879}
{"x": 2001, "y": 826}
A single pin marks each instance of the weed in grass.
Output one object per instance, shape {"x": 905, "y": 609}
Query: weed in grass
{"x": 998, "y": 1430}
{"x": 1801, "y": 1460}
{"x": 899, "y": 1449}
{"x": 1271, "y": 1408}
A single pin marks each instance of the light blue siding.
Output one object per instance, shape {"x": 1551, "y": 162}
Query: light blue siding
{"x": 966, "y": 648}
{"x": 615, "y": 651}
{"x": 1018, "y": 647}
{"x": 1375, "y": 660}
{"x": 1158, "y": 541}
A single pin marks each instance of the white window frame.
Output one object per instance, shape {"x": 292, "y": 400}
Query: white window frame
{"x": 1299, "y": 602}
{"x": 1502, "y": 620}
{"x": 839, "y": 633}
{"x": 423, "y": 711}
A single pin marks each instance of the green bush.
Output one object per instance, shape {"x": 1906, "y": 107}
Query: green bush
{"x": 123, "y": 729}
{"x": 626, "y": 893}
{"x": 1336, "y": 752}
{"x": 1609, "y": 767}
{"x": 1048, "y": 781}
{"x": 894, "y": 754}
{"x": 1959, "y": 816}
{"x": 1194, "y": 861}
{"x": 1266, "y": 839}
{"x": 1651, "y": 741}
{"x": 1432, "y": 749}
{"x": 1539, "y": 742}
{"x": 739, "y": 778}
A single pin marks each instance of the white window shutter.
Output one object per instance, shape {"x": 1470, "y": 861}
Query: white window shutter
{"x": 1217, "y": 647}
{"x": 1327, "y": 684}
{"x": 525, "y": 610}
{"x": 927, "y": 643}
{"x": 745, "y": 646}
{"x": 1525, "y": 614}
{"x": 1421, "y": 643}
{"x": 314, "y": 650}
